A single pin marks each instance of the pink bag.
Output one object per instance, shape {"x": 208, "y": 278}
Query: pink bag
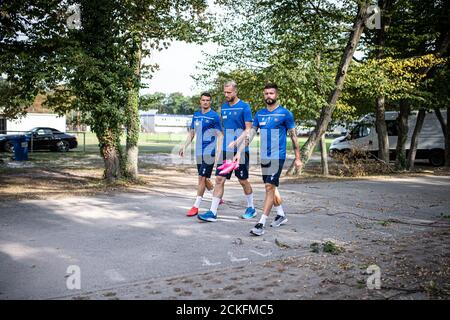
{"x": 228, "y": 167}
{"x": 225, "y": 164}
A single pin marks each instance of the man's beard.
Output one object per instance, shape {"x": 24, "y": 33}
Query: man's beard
{"x": 270, "y": 101}
{"x": 230, "y": 99}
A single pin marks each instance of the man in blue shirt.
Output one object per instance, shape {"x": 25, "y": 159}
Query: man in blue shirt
{"x": 208, "y": 129}
{"x": 237, "y": 123}
{"x": 274, "y": 122}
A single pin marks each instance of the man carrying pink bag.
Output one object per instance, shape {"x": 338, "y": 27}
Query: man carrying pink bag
{"x": 237, "y": 122}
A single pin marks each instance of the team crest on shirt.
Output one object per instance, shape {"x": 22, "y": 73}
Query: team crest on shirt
{"x": 197, "y": 123}
{"x": 276, "y": 120}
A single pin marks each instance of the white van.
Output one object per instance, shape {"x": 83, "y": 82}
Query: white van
{"x": 363, "y": 136}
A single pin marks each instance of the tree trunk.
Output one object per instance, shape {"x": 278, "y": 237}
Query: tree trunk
{"x": 327, "y": 111}
{"x": 402, "y": 121}
{"x": 132, "y": 120}
{"x": 447, "y": 140}
{"x": 110, "y": 155}
{"x": 380, "y": 123}
{"x": 324, "y": 155}
{"x": 323, "y": 145}
{"x": 415, "y": 138}
{"x": 444, "y": 128}
{"x": 133, "y": 125}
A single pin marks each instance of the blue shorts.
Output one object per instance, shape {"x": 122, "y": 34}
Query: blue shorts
{"x": 271, "y": 170}
{"x": 204, "y": 168}
{"x": 242, "y": 172}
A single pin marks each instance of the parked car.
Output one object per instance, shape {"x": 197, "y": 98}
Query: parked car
{"x": 42, "y": 138}
{"x": 363, "y": 136}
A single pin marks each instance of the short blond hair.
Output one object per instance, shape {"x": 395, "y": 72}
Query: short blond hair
{"x": 231, "y": 83}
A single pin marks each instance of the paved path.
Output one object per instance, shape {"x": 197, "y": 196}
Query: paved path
{"x": 128, "y": 238}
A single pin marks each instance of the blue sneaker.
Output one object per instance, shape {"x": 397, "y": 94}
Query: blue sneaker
{"x": 208, "y": 216}
{"x": 249, "y": 213}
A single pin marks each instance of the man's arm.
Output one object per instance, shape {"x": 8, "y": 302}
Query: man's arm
{"x": 219, "y": 138}
{"x": 293, "y": 135}
{"x": 190, "y": 136}
{"x": 247, "y": 140}
{"x": 243, "y": 136}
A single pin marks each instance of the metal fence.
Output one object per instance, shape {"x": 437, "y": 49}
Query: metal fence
{"x": 88, "y": 142}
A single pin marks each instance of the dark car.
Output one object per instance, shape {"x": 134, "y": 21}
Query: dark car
{"x": 42, "y": 138}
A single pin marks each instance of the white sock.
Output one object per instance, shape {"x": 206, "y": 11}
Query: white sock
{"x": 215, "y": 204}
{"x": 280, "y": 211}
{"x": 263, "y": 219}
{"x": 198, "y": 201}
{"x": 250, "y": 200}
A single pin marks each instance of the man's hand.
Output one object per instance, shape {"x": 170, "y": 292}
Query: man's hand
{"x": 232, "y": 145}
{"x": 298, "y": 164}
{"x": 182, "y": 151}
{"x": 247, "y": 141}
{"x": 237, "y": 157}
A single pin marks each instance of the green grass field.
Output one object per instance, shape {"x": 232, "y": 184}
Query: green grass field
{"x": 159, "y": 142}
{"x": 87, "y": 154}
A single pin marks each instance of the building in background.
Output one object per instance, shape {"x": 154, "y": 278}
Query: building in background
{"x": 37, "y": 116}
{"x": 153, "y": 122}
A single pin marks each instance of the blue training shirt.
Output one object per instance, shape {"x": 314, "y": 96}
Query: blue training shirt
{"x": 206, "y": 126}
{"x": 274, "y": 126}
{"x": 234, "y": 119}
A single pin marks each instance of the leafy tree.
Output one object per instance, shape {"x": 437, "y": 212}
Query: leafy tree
{"x": 173, "y": 103}
{"x": 292, "y": 43}
{"x": 95, "y": 68}
{"x": 152, "y": 101}
{"x": 415, "y": 29}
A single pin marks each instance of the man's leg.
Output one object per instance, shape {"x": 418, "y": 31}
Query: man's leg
{"x": 268, "y": 200}
{"x": 271, "y": 175}
{"x": 242, "y": 175}
{"x": 201, "y": 186}
{"x": 281, "y": 216}
{"x": 219, "y": 187}
{"x": 277, "y": 201}
{"x": 204, "y": 173}
{"x": 250, "y": 211}
{"x": 211, "y": 215}
{"x": 200, "y": 191}
{"x": 209, "y": 184}
{"x": 246, "y": 186}
{"x": 203, "y": 179}
{"x": 258, "y": 230}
